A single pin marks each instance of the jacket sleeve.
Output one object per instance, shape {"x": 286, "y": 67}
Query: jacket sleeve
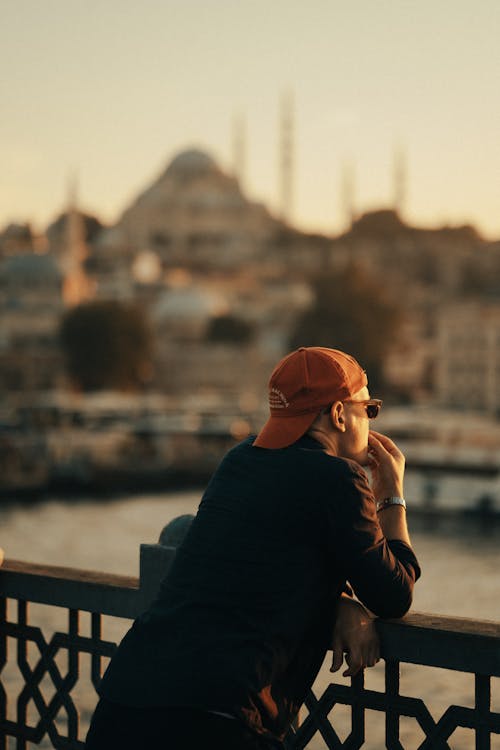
{"x": 381, "y": 572}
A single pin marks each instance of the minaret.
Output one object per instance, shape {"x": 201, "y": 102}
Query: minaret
{"x": 399, "y": 180}
{"x": 75, "y": 229}
{"x": 286, "y": 157}
{"x": 347, "y": 194}
{"x": 239, "y": 149}
{"x": 77, "y": 287}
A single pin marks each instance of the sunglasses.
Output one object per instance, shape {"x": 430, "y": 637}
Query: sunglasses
{"x": 372, "y": 406}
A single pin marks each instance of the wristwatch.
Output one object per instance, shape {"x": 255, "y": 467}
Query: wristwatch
{"x": 388, "y": 501}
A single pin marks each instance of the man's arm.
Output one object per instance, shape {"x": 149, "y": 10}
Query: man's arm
{"x": 354, "y": 633}
{"x": 374, "y": 553}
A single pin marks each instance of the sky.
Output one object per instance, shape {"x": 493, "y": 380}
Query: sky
{"x": 112, "y": 90}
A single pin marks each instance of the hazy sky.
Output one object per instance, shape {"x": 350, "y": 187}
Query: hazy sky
{"x": 113, "y": 89}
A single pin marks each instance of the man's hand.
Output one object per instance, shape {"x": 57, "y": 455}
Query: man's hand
{"x": 387, "y": 465}
{"x": 355, "y": 636}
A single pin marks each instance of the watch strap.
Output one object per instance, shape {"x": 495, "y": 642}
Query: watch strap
{"x": 388, "y": 501}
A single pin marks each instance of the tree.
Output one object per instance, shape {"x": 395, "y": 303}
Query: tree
{"x": 352, "y": 313}
{"x": 228, "y": 329}
{"x": 107, "y": 345}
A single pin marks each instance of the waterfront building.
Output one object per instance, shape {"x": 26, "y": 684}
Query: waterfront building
{"x": 468, "y": 362}
{"x": 224, "y": 281}
{"x": 30, "y": 308}
{"x": 428, "y": 272}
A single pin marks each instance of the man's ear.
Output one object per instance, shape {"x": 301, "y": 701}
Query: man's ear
{"x": 337, "y": 416}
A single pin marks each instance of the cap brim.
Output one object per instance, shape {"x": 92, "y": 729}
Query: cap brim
{"x": 279, "y": 432}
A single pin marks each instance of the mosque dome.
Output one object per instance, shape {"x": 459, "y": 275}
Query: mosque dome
{"x": 187, "y": 304}
{"x": 30, "y": 269}
{"x": 191, "y": 163}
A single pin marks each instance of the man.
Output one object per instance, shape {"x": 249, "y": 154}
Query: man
{"x": 259, "y": 589}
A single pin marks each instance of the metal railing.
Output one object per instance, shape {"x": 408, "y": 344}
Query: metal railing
{"x": 53, "y": 664}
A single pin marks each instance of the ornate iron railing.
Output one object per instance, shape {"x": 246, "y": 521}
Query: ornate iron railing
{"x": 39, "y": 705}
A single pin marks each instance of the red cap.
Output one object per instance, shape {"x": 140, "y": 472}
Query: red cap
{"x": 302, "y": 384}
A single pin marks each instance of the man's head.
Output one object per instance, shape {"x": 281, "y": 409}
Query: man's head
{"x": 321, "y": 386}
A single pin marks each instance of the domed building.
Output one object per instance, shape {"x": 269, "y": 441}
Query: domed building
{"x": 185, "y": 313}
{"x": 30, "y": 279}
{"x": 193, "y": 215}
{"x": 241, "y": 266}
{"x": 16, "y": 238}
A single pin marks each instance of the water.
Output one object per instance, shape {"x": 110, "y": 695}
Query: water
{"x": 460, "y": 562}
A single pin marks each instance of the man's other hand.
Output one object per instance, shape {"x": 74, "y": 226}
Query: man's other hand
{"x": 387, "y": 465}
{"x": 354, "y": 635}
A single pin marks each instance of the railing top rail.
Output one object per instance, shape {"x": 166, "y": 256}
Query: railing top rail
{"x": 86, "y": 590}
{"x": 457, "y": 643}
{"x": 451, "y": 624}
{"x": 69, "y": 574}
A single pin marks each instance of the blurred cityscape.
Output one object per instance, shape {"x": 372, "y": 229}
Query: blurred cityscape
{"x": 217, "y": 289}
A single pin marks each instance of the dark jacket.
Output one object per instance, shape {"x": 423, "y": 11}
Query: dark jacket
{"x": 244, "y": 618}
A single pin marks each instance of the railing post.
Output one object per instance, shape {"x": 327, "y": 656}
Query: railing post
{"x": 483, "y": 707}
{"x": 392, "y": 679}
{"x": 3, "y": 662}
{"x": 156, "y": 559}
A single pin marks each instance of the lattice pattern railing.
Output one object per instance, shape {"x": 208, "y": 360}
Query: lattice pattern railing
{"x": 449, "y": 643}
{"x": 70, "y": 642}
{"x": 481, "y": 719}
